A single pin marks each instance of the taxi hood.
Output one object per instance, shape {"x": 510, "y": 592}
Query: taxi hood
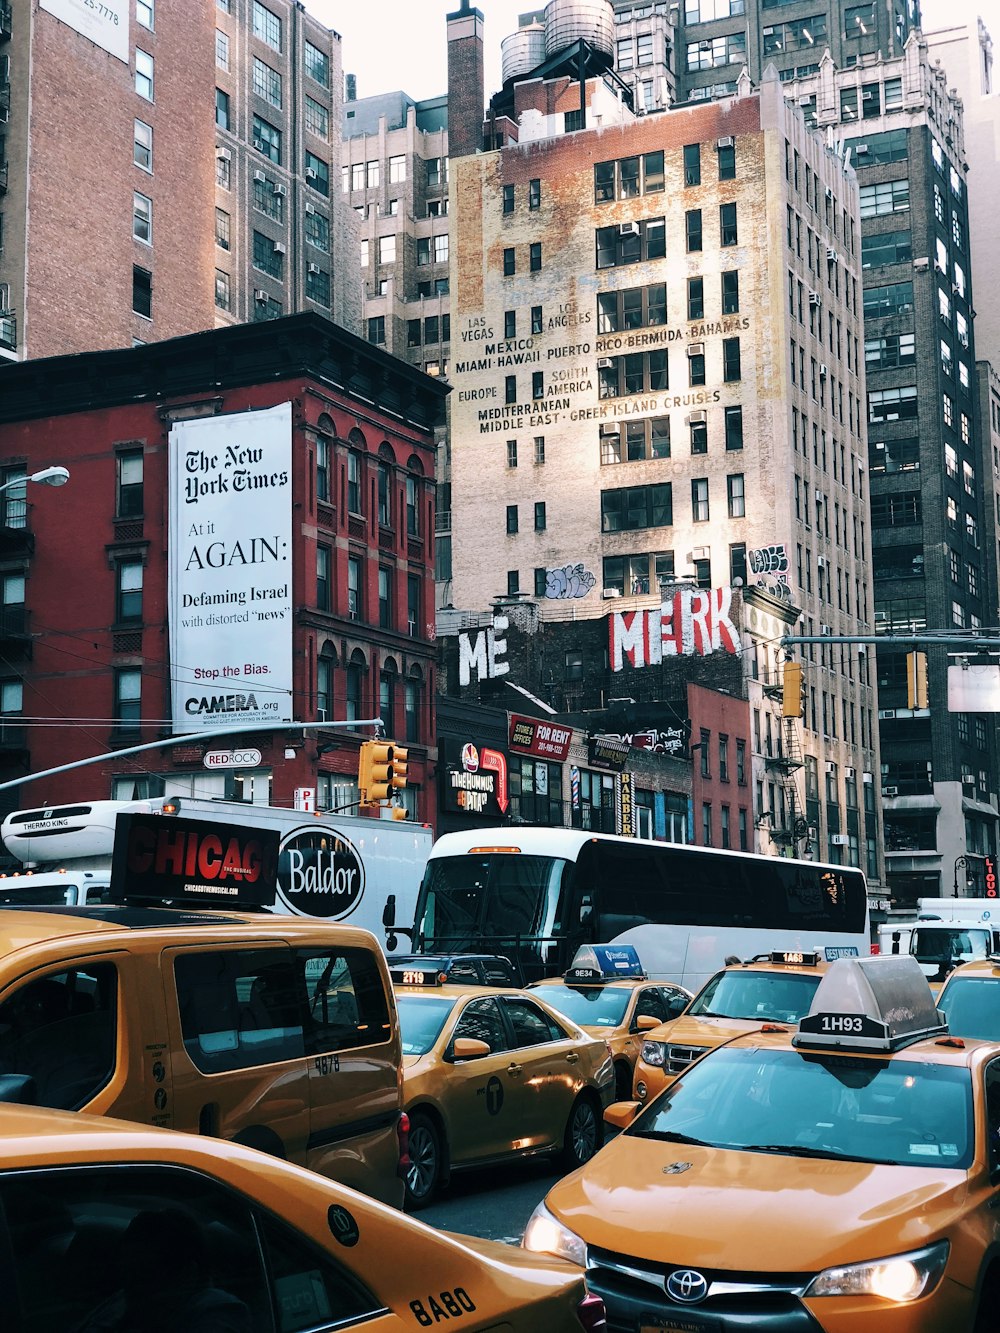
{"x": 692, "y": 1030}
{"x": 662, "y": 1202}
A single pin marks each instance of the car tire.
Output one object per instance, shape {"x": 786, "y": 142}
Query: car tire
{"x": 623, "y": 1082}
{"x": 584, "y": 1134}
{"x": 424, "y": 1172}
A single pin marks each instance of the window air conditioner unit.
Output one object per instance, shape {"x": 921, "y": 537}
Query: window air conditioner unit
{"x": 727, "y": 141}
{"x": 831, "y": 255}
{"x": 260, "y": 176}
{"x": 819, "y": 497}
{"x": 849, "y": 773}
{"x": 281, "y": 189}
{"x": 310, "y": 209}
{"x": 609, "y": 431}
{"x": 604, "y": 363}
{"x": 821, "y": 562}
{"x": 260, "y": 297}
{"x": 312, "y": 268}
{"x": 831, "y": 767}
{"x": 224, "y": 154}
{"x": 868, "y": 96}
{"x": 968, "y": 779}
{"x": 890, "y": 792}
{"x": 860, "y": 148}
{"x": 829, "y": 193}
{"x": 311, "y": 173}
{"x": 921, "y": 265}
{"x": 838, "y": 839}
{"x": 814, "y": 298}
{"x": 611, "y": 592}
{"x": 279, "y": 247}
{"x": 260, "y": 145}
{"x": 826, "y": 629}
{"x": 823, "y": 372}
{"x": 697, "y": 416}
{"x": 867, "y": 777}
{"x": 628, "y": 229}
{"x": 696, "y": 349}
{"x": 701, "y": 553}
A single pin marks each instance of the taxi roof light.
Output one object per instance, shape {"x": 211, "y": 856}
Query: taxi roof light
{"x": 877, "y": 1003}
{"x": 601, "y": 962}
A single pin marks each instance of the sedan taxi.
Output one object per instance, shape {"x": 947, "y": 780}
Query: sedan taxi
{"x": 491, "y": 1073}
{"x": 970, "y": 999}
{"x": 838, "y": 1178}
{"x": 775, "y": 987}
{"x": 109, "y": 1225}
{"x": 609, "y": 995}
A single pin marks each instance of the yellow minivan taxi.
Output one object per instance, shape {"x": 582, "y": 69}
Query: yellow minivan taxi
{"x": 838, "y": 1178}
{"x": 273, "y": 1031}
{"x": 970, "y": 999}
{"x": 108, "y": 1225}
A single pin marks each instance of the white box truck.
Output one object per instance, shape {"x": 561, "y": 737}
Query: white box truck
{"x": 339, "y": 867}
{"x": 944, "y": 933}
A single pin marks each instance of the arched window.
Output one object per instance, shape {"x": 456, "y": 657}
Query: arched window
{"x": 414, "y": 472}
{"x": 324, "y": 440}
{"x": 385, "y": 487}
{"x": 324, "y": 683}
{"x": 411, "y": 704}
{"x": 387, "y": 696}
{"x": 357, "y": 669}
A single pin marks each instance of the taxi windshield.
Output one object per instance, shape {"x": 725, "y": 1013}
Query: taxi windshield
{"x": 421, "y": 1018}
{"x": 762, "y": 997}
{"x": 806, "y": 1105}
{"x": 590, "y": 1006}
{"x": 970, "y": 1006}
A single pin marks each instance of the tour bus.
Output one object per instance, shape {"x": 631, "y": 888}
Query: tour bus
{"x": 537, "y": 894}
{"x": 339, "y": 867}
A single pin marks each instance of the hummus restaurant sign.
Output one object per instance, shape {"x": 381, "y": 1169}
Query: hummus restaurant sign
{"x": 479, "y": 785}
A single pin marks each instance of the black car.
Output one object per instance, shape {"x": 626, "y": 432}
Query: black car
{"x": 460, "y": 969}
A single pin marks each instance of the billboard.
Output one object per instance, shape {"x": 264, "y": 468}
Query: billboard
{"x": 104, "y": 23}
{"x": 230, "y": 569}
{"x": 161, "y": 857}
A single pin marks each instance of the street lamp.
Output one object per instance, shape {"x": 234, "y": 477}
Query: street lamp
{"x": 966, "y": 863}
{"x": 49, "y": 476}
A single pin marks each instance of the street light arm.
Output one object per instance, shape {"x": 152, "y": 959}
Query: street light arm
{"x": 48, "y": 476}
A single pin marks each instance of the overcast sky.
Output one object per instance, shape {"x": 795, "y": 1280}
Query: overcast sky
{"x": 401, "y": 44}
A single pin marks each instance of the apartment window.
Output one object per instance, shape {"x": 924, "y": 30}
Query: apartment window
{"x": 534, "y": 193}
{"x": 736, "y": 496}
{"x": 734, "y": 427}
{"x": 384, "y": 597}
{"x": 144, "y": 74}
{"x": 128, "y": 599}
{"x": 144, "y": 13}
{"x": 706, "y": 823}
{"x": 692, "y": 164}
{"x": 630, "y": 508}
{"x": 222, "y": 109}
{"x": 413, "y": 605}
{"x": 513, "y": 582}
{"x": 539, "y": 449}
{"x": 737, "y": 563}
{"x": 266, "y": 256}
{"x": 730, "y": 292}
{"x": 632, "y": 308}
{"x": 541, "y": 581}
{"x": 638, "y": 372}
{"x": 221, "y": 49}
{"x": 267, "y": 26}
{"x": 508, "y": 261}
{"x": 536, "y": 319}
{"x": 699, "y": 499}
{"x": 323, "y": 578}
{"x": 699, "y": 437}
{"x": 317, "y": 65}
{"x": 537, "y": 384}
{"x": 267, "y": 139}
{"x": 317, "y": 173}
{"x": 635, "y": 440}
{"x": 266, "y": 82}
{"x": 387, "y": 701}
{"x": 727, "y": 161}
{"x": 354, "y": 602}
{"x": 387, "y": 249}
{"x": 508, "y": 198}
{"x": 728, "y": 232}
{"x": 437, "y": 171}
{"x": 510, "y": 389}
{"x": 128, "y": 697}
{"x": 631, "y": 242}
{"x": 318, "y": 231}
{"x": 221, "y": 228}
{"x": 397, "y": 169}
{"x": 411, "y": 708}
{"x": 324, "y": 684}
{"x": 384, "y": 495}
{"x": 511, "y": 519}
{"x": 539, "y": 515}
{"x": 129, "y": 485}
{"x": 317, "y": 118}
{"x": 696, "y": 368}
{"x": 355, "y": 687}
{"x": 535, "y": 256}
{"x": 142, "y": 291}
{"x": 142, "y": 218}
{"x": 731, "y": 359}
{"x": 223, "y": 171}
{"x": 376, "y": 329}
{"x": 223, "y": 296}
{"x": 322, "y": 468}
{"x": 692, "y": 224}
{"x": 886, "y": 197}
{"x": 696, "y": 298}
{"x": 512, "y": 453}
{"x": 142, "y": 145}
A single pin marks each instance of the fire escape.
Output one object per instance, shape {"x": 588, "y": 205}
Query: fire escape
{"x": 785, "y": 821}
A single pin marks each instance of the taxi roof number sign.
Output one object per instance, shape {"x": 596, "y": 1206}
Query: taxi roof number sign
{"x": 875, "y": 1004}
{"x": 603, "y": 962}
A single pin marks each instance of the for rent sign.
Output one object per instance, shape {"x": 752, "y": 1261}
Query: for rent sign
{"x": 230, "y": 565}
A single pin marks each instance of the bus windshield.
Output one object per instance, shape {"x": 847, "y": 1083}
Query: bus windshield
{"x": 483, "y": 902}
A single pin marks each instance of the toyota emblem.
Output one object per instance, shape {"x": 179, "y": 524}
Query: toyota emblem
{"x": 687, "y": 1286}
{"x": 676, "y": 1168}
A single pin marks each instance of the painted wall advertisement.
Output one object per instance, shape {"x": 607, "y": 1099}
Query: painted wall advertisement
{"x": 104, "y": 22}
{"x": 230, "y": 569}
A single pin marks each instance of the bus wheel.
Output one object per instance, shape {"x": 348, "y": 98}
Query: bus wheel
{"x": 623, "y": 1082}
{"x": 425, "y": 1162}
{"x": 584, "y": 1134}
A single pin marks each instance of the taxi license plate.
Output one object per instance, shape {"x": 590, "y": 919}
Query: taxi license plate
{"x": 678, "y": 1324}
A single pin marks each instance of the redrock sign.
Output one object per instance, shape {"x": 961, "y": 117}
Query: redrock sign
{"x": 690, "y": 623}
{"x": 162, "y": 857}
{"x": 320, "y": 874}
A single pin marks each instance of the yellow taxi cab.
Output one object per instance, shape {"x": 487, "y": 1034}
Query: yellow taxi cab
{"x": 970, "y": 999}
{"x": 109, "y": 1225}
{"x": 773, "y": 987}
{"x": 493, "y": 1073}
{"x": 609, "y": 995}
{"x": 273, "y": 1031}
{"x": 841, "y": 1178}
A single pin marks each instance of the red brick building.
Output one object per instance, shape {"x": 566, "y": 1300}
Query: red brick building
{"x": 85, "y": 633}
{"x": 722, "y": 770}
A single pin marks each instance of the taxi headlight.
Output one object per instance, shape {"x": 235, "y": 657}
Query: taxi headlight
{"x": 654, "y": 1053}
{"x": 545, "y": 1234}
{"x": 904, "y": 1277}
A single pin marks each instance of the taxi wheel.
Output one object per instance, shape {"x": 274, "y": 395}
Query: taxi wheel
{"x": 584, "y": 1134}
{"x": 425, "y": 1162}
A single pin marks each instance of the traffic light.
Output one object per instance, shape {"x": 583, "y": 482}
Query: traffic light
{"x": 380, "y": 772}
{"x": 791, "y": 690}
{"x": 398, "y": 761}
{"x": 916, "y": 680}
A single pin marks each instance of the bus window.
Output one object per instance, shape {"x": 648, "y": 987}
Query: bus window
{"x": 525, "y": 897}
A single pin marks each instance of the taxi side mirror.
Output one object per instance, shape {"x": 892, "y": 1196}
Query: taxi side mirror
{"x": 646, "y": 1022}
{"x": 621, "y": 1114}
{"x": 469, "y": 1048}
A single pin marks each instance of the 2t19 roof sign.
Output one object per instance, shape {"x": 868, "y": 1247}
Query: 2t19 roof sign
{"x": 104, "y": 23}
{"x": 168, "y": 857}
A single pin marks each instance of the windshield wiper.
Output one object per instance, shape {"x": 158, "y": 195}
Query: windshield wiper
{"x": 668, "y": 1136}
{"x": 799, "y": 1150}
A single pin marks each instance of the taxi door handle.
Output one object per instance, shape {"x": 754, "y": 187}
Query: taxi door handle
{"x": 514, "y": 1069}
{"x": 572, "y": 1058}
